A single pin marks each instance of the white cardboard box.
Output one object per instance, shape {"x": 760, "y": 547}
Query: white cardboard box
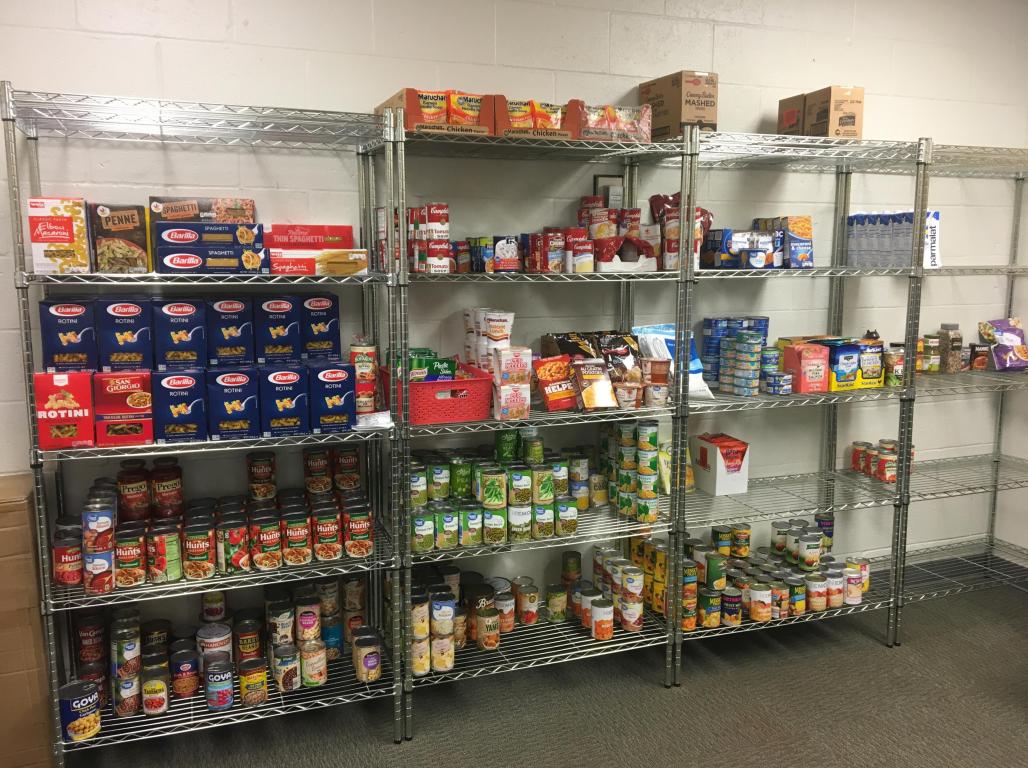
{"x": 711, "y": 471}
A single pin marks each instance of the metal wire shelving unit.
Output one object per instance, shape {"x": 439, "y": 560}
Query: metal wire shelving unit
{"x": 29, "y": 116}
{"x": 540, "y": 418}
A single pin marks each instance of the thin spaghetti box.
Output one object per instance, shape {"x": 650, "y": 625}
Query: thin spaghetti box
{"x": 64, "y": 410}
{"x": 277, "y": 331}
{"x": 124, "y": 334}
{"x": 321, "y": 327}
{"x": 179, "y": 412}
{"x": 123, "y": 405}
{"x": 284, "y": 400}
{"x": 179, "y": 334}
{"x": 233, "y": 408}
{"x": 721, "y": 463}
{"x": 229, "y": 332}
{"x": 333, "y": 400}
{"x": 68, "y": 336}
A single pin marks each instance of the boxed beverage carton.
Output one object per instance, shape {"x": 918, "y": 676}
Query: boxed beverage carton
{"x": 721, "y": 463}
{"x": 681, "y": 97}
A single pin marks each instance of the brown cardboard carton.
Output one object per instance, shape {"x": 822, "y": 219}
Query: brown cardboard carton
{"x": 681, "y": 97}
{"x": 836, "y": 111}
{"x": 790, "y": 115}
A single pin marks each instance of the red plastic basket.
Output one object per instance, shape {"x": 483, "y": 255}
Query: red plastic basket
{"x": 448, "y": 402}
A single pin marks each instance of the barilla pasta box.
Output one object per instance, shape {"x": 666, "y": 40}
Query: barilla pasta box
{"x": 178, "y": 234}
{"x": 321, "y": 327}
{"x": 68, "y": 336}
{"x": 229, "y": 332}
{"x": 179, "y": 333}
{"x": 123, "y": 405}
{"x": 64, "y": 410}
{"x": 223, "y": 210}
{"x": 211, "y": 259}
{"x": 277, "y": 330}
{"x": 124, "y": 334}
{"x": 284, "y": 400}
{"x": 233, "y": 408}
{"x": 179, "y": 415}
{"x": 333, "y": 399}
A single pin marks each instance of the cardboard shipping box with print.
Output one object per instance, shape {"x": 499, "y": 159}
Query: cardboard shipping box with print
{"x": 681, "y": 97}
{"x": 835, "y": 112}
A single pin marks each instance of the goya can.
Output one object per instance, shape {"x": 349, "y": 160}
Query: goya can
{"x": 731, "y": 607}
{"x": 80, "y": 710}
{"x": 708, "y": 610}
{"x": 218, "y": 686}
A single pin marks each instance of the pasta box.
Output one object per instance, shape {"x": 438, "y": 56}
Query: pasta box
{"x": 212, "y": 259}
{"x": 229, "y": 332}
{"x": 333, "y": 404}
{"x": 233, "y": 408}
{"x": 67, "y": 334}
{"x": 179, "y": 333}
{"x": 58, "y": 235}
{"x": 189, "y": 234}
{"x": 64, "y": 409}
{"x": 321, "y": 327}
{"x": 120, "y": 238}
{"x": 284, "y": 400}
{"x": 222, "y": 210}
{"x": 179, "y": 413}
{"x": 721, "y": 463}
{"x": 124, "y": 334}
{"x": 808, "y": 364}
{"x": 309, "y": 236}
{"x": 123, "y": 405}
{"x": 277, "y": 329}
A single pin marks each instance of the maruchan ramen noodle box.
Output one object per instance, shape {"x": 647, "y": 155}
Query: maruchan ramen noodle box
{"x": 277, "y": 333}
{"x": 321, "y": 327}
{"x": 68, "y": 335}
{"x": 119, "y": 238}
{"x": 64, "y": 410}
{"x": 123, "y": 405}
{"x": 284, "y": 406}
{"x": 229, "y": 332}
{"x": 124, "y": 334}
{"x": 179, "y": 333}
{"x": 233, "y": 409}
{"x": 333, "y": 405}
{"x": 58, "y": 235}
{"x": 179, "y": 412}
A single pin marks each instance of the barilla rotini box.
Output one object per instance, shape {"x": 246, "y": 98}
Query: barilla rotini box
{"x": 321, "y": 327}
{"x": 233, "y": 408}
{"x": 179, "y": 415}
{"x": 124, "y": 334}
{"x": 277, "y": 333}
{"x": 68, "y": 336}
{"x": 179, "y": 333}
{"x": 229, "y": 332}
{"x": 284, "y": 400}
{"x": 333, "y": 399}
{"x": 123, "y": 405}
{"x": 64, "y": 409}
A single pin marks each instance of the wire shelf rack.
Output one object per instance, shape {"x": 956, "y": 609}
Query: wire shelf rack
{"x": 189, "y": 715}
{"x": 540, "y": 418}
{"x": 964, "y": 567}
{"x": 592, "y": 526}
{"x": 197, "y": 281}
{"x": 804, "y": 153}
{"x": 543, "y": 644}
{"x": 546, "y": 277}
{"x": 981, "y": 162}
{"x": 773, "y": 274}
{"x": 985, "y": 269}
{"x": 470, "y": 146}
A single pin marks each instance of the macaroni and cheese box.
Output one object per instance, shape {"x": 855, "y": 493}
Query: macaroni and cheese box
{"x": 58, "y": 235}
{"x": 233, "y": 409}
{"x": 333, "y": 402}
{"x": 124, "y": 334}
{"x": 190, "y": 234}
{"x": 64, "y": 410}
{"x": 284, "y": 400}
{"x": 211, "y": 259}
{"x": 321, "y": 327}
{"x": 179, "y": 334}
{"x": 277, "y": 333}
{"x": 179, "y": 414}
{"x": 229, "y": 332}
{"x": 222, "y": 210}
{"x": 68, "y": 336}
{"x": 119, "y": 236}
{"x": 124, "y": 408}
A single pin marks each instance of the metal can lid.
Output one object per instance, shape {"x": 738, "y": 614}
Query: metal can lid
{"x": 708, "y": 592}
{"x": 602, "y": 603}
{"x": 731, "y": 592}
{"x": 77, "y": 689}
{"x": 252, "y": 665}
{"x": 794, "y": 581}
{"x": 288, "y": 651}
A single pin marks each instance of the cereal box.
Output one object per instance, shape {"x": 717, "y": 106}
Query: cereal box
{"x": 277, "y": 331}
{"x": 321, "y": 327}
{"x": 284, "y": 400}
{"x": 58, "y": 235}
{"x": 179, "y": 333}
{"x": 179, "y": 413}
{"x": 123, "y": 406}
{"x": 229, "y": 332}
{"x": 189, "y": 234}
{"x": 333, "y": 403}
{"x": 124, "y": 334}
{"x": 64, "y": 410}
{"x": 119, "y": 235}
{"x": 212, "y": 259}
{"x": 233, "y": 410}
{"x": 512, "y": 365}
{"x": 511, "y": 402}
{"x": 68, "y": 336}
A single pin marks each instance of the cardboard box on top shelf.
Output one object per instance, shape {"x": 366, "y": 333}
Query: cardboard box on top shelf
{"x": 790, "y": 115}
{"x": 681, "y": 97}
{"x": 836, "y": 112}
{"x": 439, "y": 112}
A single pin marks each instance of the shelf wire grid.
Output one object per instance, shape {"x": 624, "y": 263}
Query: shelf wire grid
{"x": 159, "y": 279}
{"x": 545, "y": 277}
{"x": 978, "y": 162}
{"x": 804, "y": 153}
{"x": 775, "y": 274}
{"x": 963, "y": 567}
{"x": 540, "y": 418}
{"x": 472, "y": 146}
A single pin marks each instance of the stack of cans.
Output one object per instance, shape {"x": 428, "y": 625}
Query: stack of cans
{"x": 718, "y": 329}
{"x": 772, "y": 380}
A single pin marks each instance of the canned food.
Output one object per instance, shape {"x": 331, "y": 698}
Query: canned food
{"x": 556, "y": 603}
{"x": 601, "y": 615}
{"x": 504, "y": 603}
{"x": 854, "y": 586}
{"x": 578, "y": 468}
{"x": 721, "y": 539}
{"x": 731, "y": 607}
{"x": 98, "y": 572}
{"x": 90, "y": 638}
{"x": 308, "y": 619}
{"x": 826, "y": 522}
{"x": 565, "y": 516}
{"x": 658, "y": 596}
{"x": 185, "y": 674}
{"x": 519, "y": 524}
{"x": 864, "y": 566}
{"x": 631, "y": 612}
{"x": 213, "y": 606}
{"x": 519, "y": 486}
{"x": 367, "y": 659}
{"x": 443, "y": 609}
{"x": 126, "y": 650}
{"x": 760, "y": 602}
{"x": 647, "y": 435}
{"x": 447, "y": 529}
{"x": 779, "y": 600}
{"x": 817, "y": 592}
{"x": 253, "y": 682}
{"x": 708, "y": 611}
{"x": 79, "y": 703}
{"x": 542, "y": 521}
{"x": 313, "y": 663}
{"x": 494, "y": 488}
{"x": 260, "y": 467}
{"x": 418, "y": 485}
{"x": 741, "y": 534}
{"x": 659, "y": 561}
{"x": 266, "y": 542}
{"x": 527, "y": 605}
{"x": 561, "y": 476}
{"x": 797, "y": 595}
{"x": 836, "y": 579}
{"x": 233, "y": 547}
{"x": 287, "y": 668}
{"x": 420, "y": 657}
{"x": 218, "y": 686}
{"x": 155, "y": 685}
{"x": 809, "y": 552}
{"x": 715, "y": 575}
{"x": 487, "y": 631}
{"x": 585, "y": 600}
{"x": 213, "y": 638}
{"x": 247, "y": 644}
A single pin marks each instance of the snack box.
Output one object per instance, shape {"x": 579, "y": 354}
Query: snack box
{"x": 321, "y": 327}
{"x": 190, "y": 234}
{"x": 66, "y": 328}
{"x": 277, "y": 333}
{"x": 119, "y": 238}
{"x": 223, "y": 210}
{"x": 333, "y": 403}
{"x": 179, "y": 333}
{"x": 58, "y": 235}
{"x": 229, "y": 332}
{"x": 179, "y": 410}
{"x": 443, "y": 111}
{"x": 808, "y": 364}
{"x": 233, "y": 409}
{"x": 512, "y": 365}
{"x": 872, "y": 364}
{"x": 797, "y": 241}
{"x": 124, "y": 334}
{"x": 843, "y": 364}
{"x": 511, "y": 402}
{"x": 284, "y": 400}
{"x": 123, "y": 406}
{"x": 721, "y": 463}
{"x": 339, "y": 262}
{"x": 212, "y": 259}
{"x": 64, "y": 410}
{"x": 314, "y": 237}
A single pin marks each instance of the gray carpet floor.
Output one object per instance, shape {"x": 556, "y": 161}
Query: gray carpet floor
{"x": 819, "y": 694}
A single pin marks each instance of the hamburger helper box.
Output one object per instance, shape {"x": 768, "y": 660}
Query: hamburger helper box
{"x": 721, "y": 463}
{"x": 179, "y": 412}
{"x": 284, "y": 406}
{"x": 64, "y": 409}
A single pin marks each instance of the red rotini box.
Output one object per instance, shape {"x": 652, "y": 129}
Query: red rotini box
{"x": 123, "y": 405}
{"x": 64, "y": 410}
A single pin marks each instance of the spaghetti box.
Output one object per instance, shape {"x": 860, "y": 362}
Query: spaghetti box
{"x": 68, "y": 336}
{"x": 721, "y": 463}
{"x": 843, "y": 364}
{"x": 872, "y": 364}
{"x": 233, "y": 409}
{"x": 124, "y": 334}
{"x": 177, "y": 234}
{"x": 211, "y": 259}
{"x": 229, "y": 332}
{"x": 64, "y": 409}
{"x": 316, "y": 237}
{"x": 179, "y": 415}
{"x": 333, "y": 400}
{"x": 284, "y": 400}
{"x": 123, "y": 405}
{"x": 321, "y": 327}
{"x": 222, "y": 210}
{"x": 277, "y": 330}
{"x": 179, "y": 334}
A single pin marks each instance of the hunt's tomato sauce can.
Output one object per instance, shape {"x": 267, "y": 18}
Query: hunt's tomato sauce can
{"x": 67, "y": 562}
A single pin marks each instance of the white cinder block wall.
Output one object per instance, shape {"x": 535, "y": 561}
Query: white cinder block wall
{"x": 946, "y": 69}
